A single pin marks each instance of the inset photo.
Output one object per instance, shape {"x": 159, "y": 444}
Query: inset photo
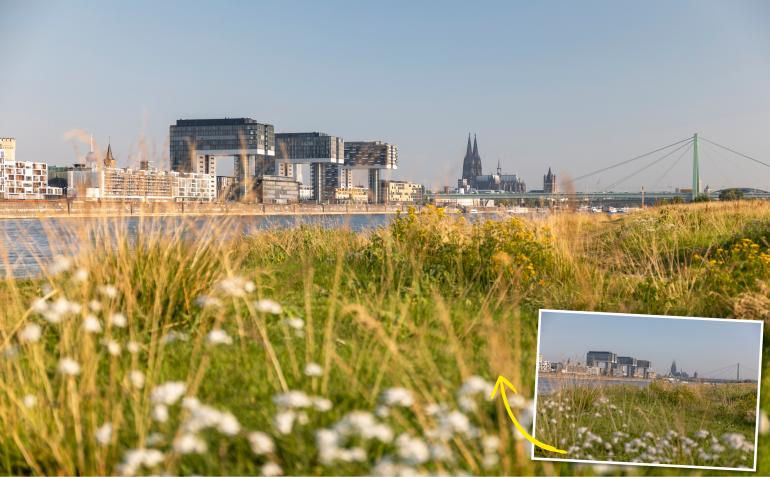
{"x": 648, "y": 390}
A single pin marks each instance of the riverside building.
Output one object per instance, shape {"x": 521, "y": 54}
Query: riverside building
{"x": 373, "y": 156}
{"x": 23, "y": 179}
{"x": 195, "y": 145}
{"x": 325, "y": 155}
{"x": 102, "y": 181}
{"x": 401, "y": 192}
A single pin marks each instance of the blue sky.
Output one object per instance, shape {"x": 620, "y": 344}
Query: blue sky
{"x": 571, "y": 85}
{"x": 696, "y": 345}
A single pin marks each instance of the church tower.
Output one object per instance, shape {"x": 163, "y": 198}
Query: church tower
{"x": 468, "y": 163}
{"x": 109, "y": 159}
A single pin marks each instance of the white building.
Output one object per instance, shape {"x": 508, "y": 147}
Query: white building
{"x": 144, "y": 185}
{"x": 22, "y": 179}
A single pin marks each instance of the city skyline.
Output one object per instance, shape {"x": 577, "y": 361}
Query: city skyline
{"x": 660, "y": 340}
{"x": 569, "y": 87}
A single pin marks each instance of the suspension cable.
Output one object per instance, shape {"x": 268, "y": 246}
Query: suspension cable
{"x": 667, "y": 155}
{"x": 673, "y": 164}
{"x": 736, "y": 152}
{"x": 630, "y": 160}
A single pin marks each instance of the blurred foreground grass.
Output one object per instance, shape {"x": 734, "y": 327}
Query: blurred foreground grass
{"x": 313, "y": 351}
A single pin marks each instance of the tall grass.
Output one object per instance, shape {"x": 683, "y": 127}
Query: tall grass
{"x": 318, "y": 351}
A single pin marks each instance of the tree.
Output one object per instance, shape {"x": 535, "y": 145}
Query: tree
{"x": 731, "y": 194}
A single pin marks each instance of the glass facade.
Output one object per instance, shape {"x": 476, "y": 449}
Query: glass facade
{"x": 371, "y": 154}
{"x": 309, "y": 148}
{"x": 323, "y": 152}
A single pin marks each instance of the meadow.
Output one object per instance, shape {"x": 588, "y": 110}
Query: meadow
{"x": 323, "y": 351}
{"x": 663, "y": 423}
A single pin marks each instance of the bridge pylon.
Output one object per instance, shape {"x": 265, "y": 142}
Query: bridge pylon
{"x": 696, "y": 190}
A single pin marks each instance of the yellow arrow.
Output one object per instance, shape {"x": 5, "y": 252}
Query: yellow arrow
{"x": 501, "y": 384}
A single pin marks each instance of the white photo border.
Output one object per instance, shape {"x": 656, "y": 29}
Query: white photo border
{"x": 638, "y": 315}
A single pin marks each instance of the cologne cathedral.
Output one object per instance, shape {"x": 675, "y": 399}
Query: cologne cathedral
{"x": 473, "y": 178}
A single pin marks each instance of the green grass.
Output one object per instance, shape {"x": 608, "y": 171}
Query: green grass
{"x": 424, "y": 305}
{"x": 684, "y": 424}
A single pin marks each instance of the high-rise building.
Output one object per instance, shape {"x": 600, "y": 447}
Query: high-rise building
{"x": 549, "y": 183}
{"x": 373, "y": 156}
{"x": 323, "y": 152}
{"x": 196, "y": 143}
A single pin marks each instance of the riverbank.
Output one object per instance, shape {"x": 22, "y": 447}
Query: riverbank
{"x": 87, "y": 209}
{"x": 292, "y": 342}
{"x": 587, "y": 377}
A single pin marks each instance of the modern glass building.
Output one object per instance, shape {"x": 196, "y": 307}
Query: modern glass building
{"x": 374, "y": 156}
{"x": 196, "y": 143}
{"x": 324, "y": 153}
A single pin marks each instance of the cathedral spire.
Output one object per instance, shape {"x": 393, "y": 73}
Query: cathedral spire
{"x": 475, "y": 147}
{"x": 468, "y": 151}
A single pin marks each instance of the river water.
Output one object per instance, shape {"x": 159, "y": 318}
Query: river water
{"x": 28, "y": 244}
{"x": 548, "y": 384}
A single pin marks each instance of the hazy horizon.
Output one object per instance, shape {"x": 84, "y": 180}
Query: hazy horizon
{"x": 696, "y": 345}
{"x": 571, "y": 86}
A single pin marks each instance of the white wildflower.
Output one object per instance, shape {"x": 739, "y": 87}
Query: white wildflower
{"x": 168, "y": 393}
{"x": 236, "y": 286}
{"x": 216, "y": 337}
{"x": 476, "y": 385}
{"x": 271, "y": 469}
{"x": 69, "y": 367}
{"x": 205, "y": 301}
{"x": 118, "y": 320}
{"x": 412, "y": 450}
{"x": 702, "y": 434}
{"x": 60, "y": 264}
{"x": 490, "y": 443}
{"x": 30, "y": 401}
{"x": 295, "y": 323}
{"x": 80, "y": 275}
{"x": 261, "y": 443}
{"x": 31, "y": 333}
{"x": 113, "y": 347}
{"x": 190, "y": 443}
{"x": 104, "y": 433}
{"x": 160, "y": 413}
{"x": 134, "y": 459}
{"x": 108, "y": 290}
{"x": 174, "y": 335}
{"x": 284, "y": 421}
{"x": 156, "y": 438}
{"x": 397, "y": 397}
{"x": 133, "y": 347}
{"x": 228, "y": 424}
{"x": 91, "y": 324}
{"x": 313, "y": 370}
{"x": 39, "y": 305}
{"x": 268, "y": 306}
{"x": 95, "y": 306}
{"x": 137, "y": 379}
{"x": 293, "y": 399}
{"x": 321, "y": 404}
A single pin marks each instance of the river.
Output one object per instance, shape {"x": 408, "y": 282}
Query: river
{"x": 25, "y": 244}
{"x": 549, "y": 384}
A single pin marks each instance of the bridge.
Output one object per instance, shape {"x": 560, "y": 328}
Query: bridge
{"x": 728, "y": 374}
{"x": 672, "y": 153}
